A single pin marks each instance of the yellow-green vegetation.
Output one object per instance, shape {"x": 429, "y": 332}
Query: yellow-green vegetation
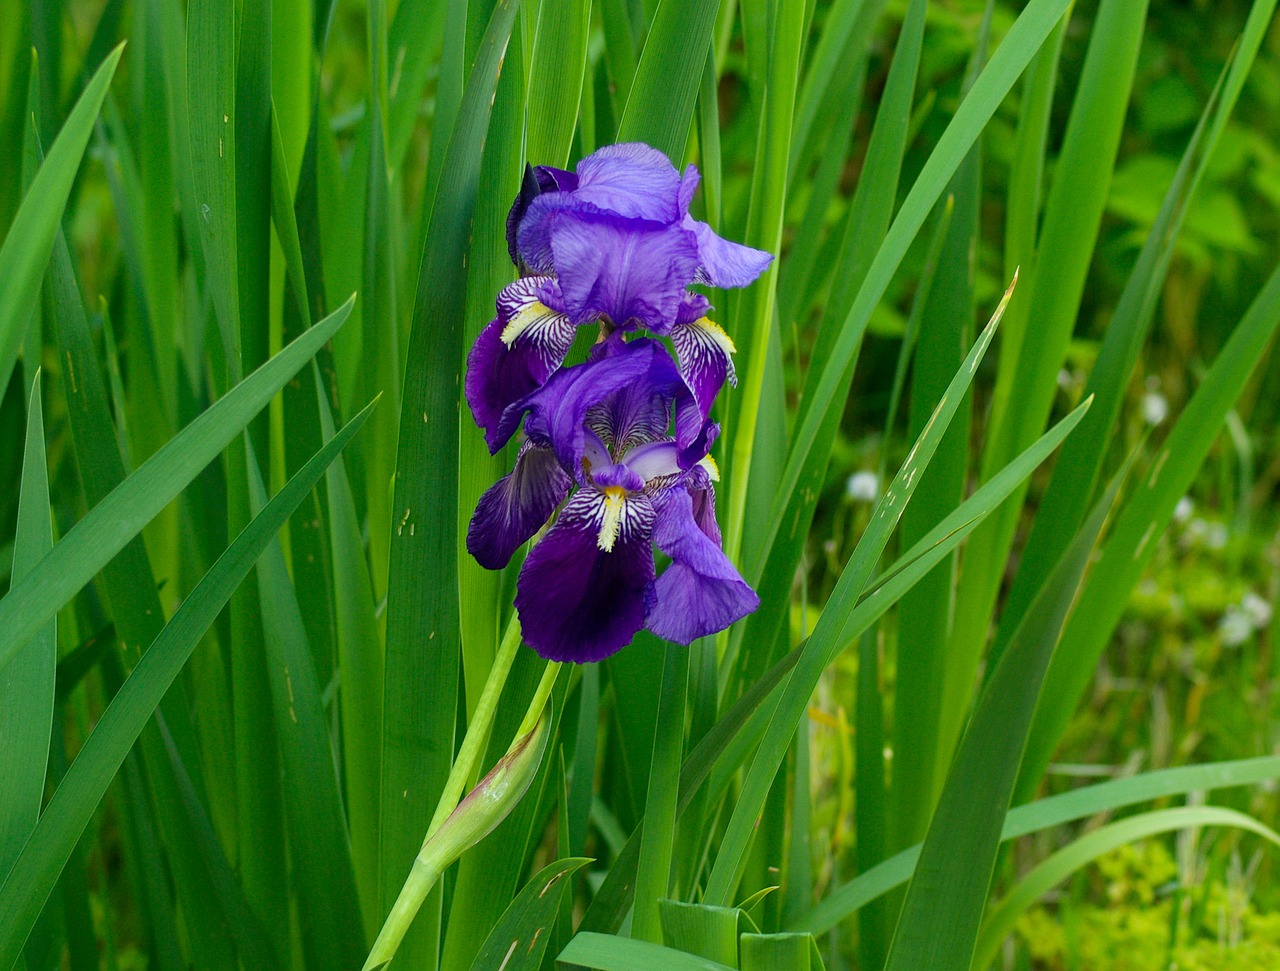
{"x": 1126, "y": 920}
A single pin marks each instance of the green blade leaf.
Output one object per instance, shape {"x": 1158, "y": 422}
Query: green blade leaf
{"x": 660, "y": 105}
{"x": 135, "y": 502}
{"x": 939, "y": 922}
{"x": 519, "y": 939}
{"x": 1046, "y": 814}
{"x": 30, "y": 239}
{"x": 623, "y": 954}
{"x": 828, "y": 636}
{"x": 33, "y": 875}
{"x": 1145, "y": 516}
{"x": 1029, "y": 31}
{"x": 422, "y": 647}
{"x": 328, "y": 910}
{"x": 1083, "y": 851}
{"x": 27, "y": 685}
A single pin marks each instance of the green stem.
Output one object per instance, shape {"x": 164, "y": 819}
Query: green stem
{"x": 428, "y": 864}
{"x": 653, "y": 872}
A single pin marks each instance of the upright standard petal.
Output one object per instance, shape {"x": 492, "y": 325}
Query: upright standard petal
{"x": 558, "y": 410}
{"x": 630, "y": 179}
{"x": 515, "y": 507}
{"x": 720, "y": 262}
{"x": 631, "y": 271}
{"x": 701, "y": 592}
{"x": 536, "y": 181}
{"x": 577, "y": 601}
{"x": 515, "y": 354}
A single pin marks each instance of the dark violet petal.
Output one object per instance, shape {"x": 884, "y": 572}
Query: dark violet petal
{"x": 698, "y": 447}
{"x": 699, "y": 482}
{"x": 630, "y": 271}
{"x": 576, "y": 601}
{"x": 631, "y": 180}
{"x": 620, "y": 476}
{"x": 537, "y": 180}
{"x": 701, "y": 592}
{"x": 722, "y": 263}
{"x": 693, "y": 306}
{"x": 636, "y": 413}
{"x": 552, "y": 179}
{"x": 513, "y": 356}
{"x": 704, "y": 351}
{"x": 544, "y": 213}
{"x": 516, "y": 507}
{"x": 558, "y": 410}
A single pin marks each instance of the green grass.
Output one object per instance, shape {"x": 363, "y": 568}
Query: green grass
{"x": 247, "y": 667}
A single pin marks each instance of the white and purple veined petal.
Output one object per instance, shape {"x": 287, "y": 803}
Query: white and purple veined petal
{"x": 577, "y": 600}
{"x": 704, "y": 351}
{"x": 700, "y": 592}
{"x": 515, "y": 354}
{"x": 515, "y": 507}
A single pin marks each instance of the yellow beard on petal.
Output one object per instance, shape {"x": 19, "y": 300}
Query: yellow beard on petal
{"x": 529, "y": 315}
{"x": 713, "y": 470}
{"x": 611, "y": 523}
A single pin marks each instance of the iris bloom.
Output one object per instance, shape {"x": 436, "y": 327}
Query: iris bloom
{"x": 611, "y": 242}
{"x": 599, "y": 434}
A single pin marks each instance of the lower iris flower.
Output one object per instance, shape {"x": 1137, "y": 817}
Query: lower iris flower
{"x": 599, "y": 434}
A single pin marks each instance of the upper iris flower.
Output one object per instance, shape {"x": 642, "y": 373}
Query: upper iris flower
{"x": 612, "y": 242}
{"x": 590, "y": 583}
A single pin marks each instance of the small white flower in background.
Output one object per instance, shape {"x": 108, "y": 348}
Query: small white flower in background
{"x": 863, "y": 487}
{"x": 1217, "y": 538}
{"x": 1183, "y": 510}
{"x": 1064, "y": 379}
{"x": 1256, "y": 609}
{"x": 1155, "y": 408}
{"x": 1235, "y": 627}
{"x": 1197, "y": 530}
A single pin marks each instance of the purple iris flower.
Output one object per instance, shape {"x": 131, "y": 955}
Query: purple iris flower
{"x": 611, "y": 242}
{"x": 599, "y": 434}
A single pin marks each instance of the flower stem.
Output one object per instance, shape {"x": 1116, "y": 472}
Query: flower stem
{"x": 433, "y": 859}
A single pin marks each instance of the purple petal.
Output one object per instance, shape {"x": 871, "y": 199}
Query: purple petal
{"x": 630, "y": 271}
{"x": 516, "y": 506}
{"x": 700, "y": 593}
{"x": 656, "y": 460}
{"x": 722, "y": 263}
{"x": 558, "y": 410}
{"x": 632, "y": 180}
{"x": 688, "y": 185}
{"x": 514, "y": 356}
{"x": 704, "y": 351}
{"x": 701, "y": 485}
{"x": 693, "y": 306}
{"x": 537, "y": 180}
{"x": 636, "y": 413}
{"x": 576, "y": 601}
